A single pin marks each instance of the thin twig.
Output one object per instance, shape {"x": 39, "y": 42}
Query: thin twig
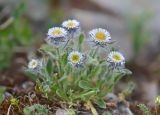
{"x": 8, "y": 112}
{"x": 93, "y": 110}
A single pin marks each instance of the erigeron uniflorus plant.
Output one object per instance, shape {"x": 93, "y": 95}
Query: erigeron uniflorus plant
{"x": 71, "y": 74}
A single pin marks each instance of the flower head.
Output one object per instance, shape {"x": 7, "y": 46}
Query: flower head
{"x": 76, "y": 58}
{"x": 35, "y": 65}
{"x": 100, "y": 36}
{"x": 71, "y": 24}
{"x": 116, "y": 60}
{"x": 73, "y": 27}
{"x": 56, "y": 36}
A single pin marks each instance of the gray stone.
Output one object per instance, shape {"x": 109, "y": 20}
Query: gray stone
{"x": 61, "y": 112}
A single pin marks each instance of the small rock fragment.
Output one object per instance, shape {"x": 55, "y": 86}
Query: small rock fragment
{"x": 61, "y": 112}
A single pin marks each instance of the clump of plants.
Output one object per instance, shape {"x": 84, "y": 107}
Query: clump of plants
{"x": 75, "y": 68}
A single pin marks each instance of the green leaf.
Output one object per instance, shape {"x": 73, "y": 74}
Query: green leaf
{"x": 48, "y": 48}
{"x": 107, "y": 113}
{"x": 80, "y": 41}
{"x": 50, "y": 67}
{"x": 85, "y": 85}
{"x": 1, "y": 98}
{"x": 116, "y": 77}
{"x": 144, "y": 108}
{"x": 2, "y": 90}
{"x": 71, "y": 44}
{"x": 23, "y": 35}
{"x": 63, "y": 77}
{"x": 94, "y": 72}
{"x": 92, "y": 61}
{"x": 64, "y": 60}
{"x": 87, "y": 95}
{"x": 129, "y": 89}
{"x": 19, "y": 10}
{"x": 61, "y": 94}
{"x": 126, "y": 71}
{"x": 114, "y": 49}
{"x": 31, "y": 75}
{"x": 101, "y": 103}
{"x": 37, "y": 108}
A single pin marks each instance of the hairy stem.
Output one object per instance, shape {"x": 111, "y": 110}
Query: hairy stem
{"x": 95, "y": 52}
{"x": 66, "y": 44}
{"x": 57, "y": 62}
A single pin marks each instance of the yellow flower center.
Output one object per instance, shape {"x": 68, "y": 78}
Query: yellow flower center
{"x": 56, "y": 32}
{"x": 100, "y": 36}
{"x": 34, "y": 64}
{"x": 70, "y": 24}
{"x": 116, "y": 57}
{"x": 75, "y": 58}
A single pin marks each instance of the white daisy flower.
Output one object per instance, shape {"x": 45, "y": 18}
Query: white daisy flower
{"x": 116, "y": 60}
{"x": 76, "y": 58}
{"x": 73, "y": 27}
{"x": 35, "y": 65}
{"x": 71, "y": 24}
{"x": 100, "y": 36}
{"x": 56, "y": 36}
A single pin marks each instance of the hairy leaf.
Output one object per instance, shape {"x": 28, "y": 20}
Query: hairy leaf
{"x": 85, "y": 85}
{"x": 80, "y": 41}
{"x": 101, "y": 103}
